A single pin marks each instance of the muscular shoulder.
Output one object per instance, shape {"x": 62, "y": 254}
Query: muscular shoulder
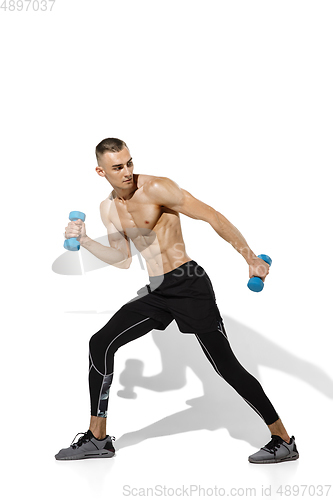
{"x": 144, "y": 179}
{"x": 159, "y": 189}
{"x": 156, "y": 182}
{"x": 164, "y": 191}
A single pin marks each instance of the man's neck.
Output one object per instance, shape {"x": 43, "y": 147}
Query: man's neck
{"x": 125, "y": 194}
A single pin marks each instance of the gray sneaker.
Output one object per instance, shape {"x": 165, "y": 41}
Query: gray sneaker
{"x": 87, "y": 446}
{"x": 277, "y": 450}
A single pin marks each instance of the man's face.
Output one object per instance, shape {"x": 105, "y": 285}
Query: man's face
{"x": 117, "y": 168}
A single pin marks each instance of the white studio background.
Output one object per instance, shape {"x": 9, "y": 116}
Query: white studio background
{"x": 233, "y": 101}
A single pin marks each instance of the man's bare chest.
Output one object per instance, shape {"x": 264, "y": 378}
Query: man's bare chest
{"x": 135, "y": 214}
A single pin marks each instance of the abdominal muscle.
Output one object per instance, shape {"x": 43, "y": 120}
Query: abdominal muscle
{"x": 166, "y": 260}
{"x": 163, "y": 250}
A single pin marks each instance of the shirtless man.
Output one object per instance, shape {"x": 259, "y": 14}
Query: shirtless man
{"x": 145, "y": 209}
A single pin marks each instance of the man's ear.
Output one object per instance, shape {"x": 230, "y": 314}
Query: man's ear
{"x": 100, "y": 171}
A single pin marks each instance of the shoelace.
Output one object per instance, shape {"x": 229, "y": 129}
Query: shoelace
{"x": 84, "y": 439}
{"x": 81, "y": 440}
{"x": 273, "y": 445}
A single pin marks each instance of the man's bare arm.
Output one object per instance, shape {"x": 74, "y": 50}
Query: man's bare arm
{"x": 110, "y": 255}
{"x": 166, "y": 192}
{"x": 118, "y": 254}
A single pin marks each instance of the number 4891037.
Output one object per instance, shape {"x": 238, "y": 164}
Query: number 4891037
{"x": 18, "y": 5}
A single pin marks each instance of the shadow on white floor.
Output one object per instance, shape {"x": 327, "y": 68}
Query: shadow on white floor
{"x": 220, "y": 406}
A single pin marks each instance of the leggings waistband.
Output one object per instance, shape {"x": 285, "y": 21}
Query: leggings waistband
{"x": 154, "y": 280}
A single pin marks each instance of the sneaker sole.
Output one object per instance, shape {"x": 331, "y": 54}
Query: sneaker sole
{"x": 288, "y": 458}
{"x": 101, "y": 454}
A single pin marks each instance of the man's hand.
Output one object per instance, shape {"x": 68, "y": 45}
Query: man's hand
{"x": 76, "y": 229}
{"x": 258, "y": 267}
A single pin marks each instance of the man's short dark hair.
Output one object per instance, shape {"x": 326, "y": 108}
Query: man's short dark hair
{"x": 113, "y": 145}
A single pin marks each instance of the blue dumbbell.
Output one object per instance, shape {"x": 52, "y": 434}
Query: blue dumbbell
{"x": 73, "y": 244}
{"x": 256, "y": 284}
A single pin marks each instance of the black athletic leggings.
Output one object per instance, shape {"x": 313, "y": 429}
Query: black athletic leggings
{"x": 126, "y": 325}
